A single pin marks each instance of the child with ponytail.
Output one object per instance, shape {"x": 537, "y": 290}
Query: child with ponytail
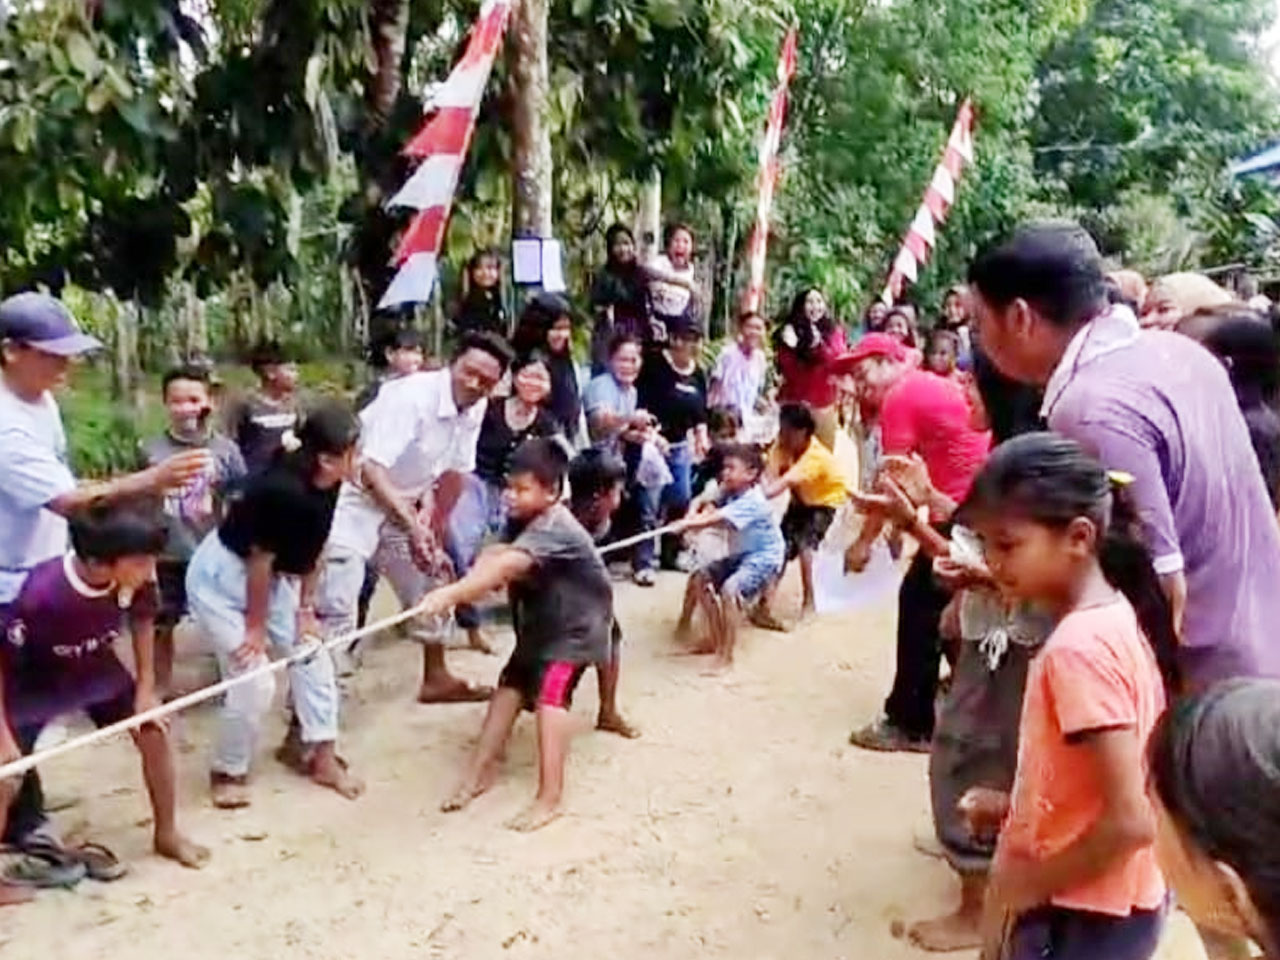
{"x": 1075, "y": 873}
{"x": 251, "y": 585}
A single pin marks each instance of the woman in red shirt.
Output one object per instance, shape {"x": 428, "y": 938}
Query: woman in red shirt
{"x": 805, "y": 343}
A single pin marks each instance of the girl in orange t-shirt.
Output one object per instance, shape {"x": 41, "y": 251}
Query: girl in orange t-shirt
{"x": 1075, "y": 873}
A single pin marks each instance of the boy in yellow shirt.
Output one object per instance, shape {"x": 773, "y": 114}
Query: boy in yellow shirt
{"x": 818, "y": 486}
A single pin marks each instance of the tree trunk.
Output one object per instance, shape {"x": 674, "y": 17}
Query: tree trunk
{"x": 650, "y": 232}
{"x": 531, "y": 133}
{"x": 124, "y": 353}
{"x": 388, "y": 24}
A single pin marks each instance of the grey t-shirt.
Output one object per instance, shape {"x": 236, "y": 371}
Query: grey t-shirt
{"x": 1160, "y": 407}
{"x": 563, "y": 609}
{"x": 193, "y": 511}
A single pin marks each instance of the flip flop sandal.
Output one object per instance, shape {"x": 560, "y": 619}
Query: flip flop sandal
{"x": 45, "y": 865}
{"x": 99, "y": 862}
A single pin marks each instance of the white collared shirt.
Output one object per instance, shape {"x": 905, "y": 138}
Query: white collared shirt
{"x": 414, "y": 429}
{"x": 1112, "y": 330}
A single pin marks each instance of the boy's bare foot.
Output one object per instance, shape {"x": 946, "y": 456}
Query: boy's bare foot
{"x": 767, "y": 620}
{"x": 720, "y": 667}
{"x": 186, "y": 852}
{"x": 454, "y": 690}
{"x": 329, "y": 770}
{"x": 469, "y": 789}
{"x": 954, "y": 932}
{"x": 11, "y": 896}
{"x": 613, "y": 723}
{"x": 229, "y": 792}
{"x": 476, "y": 640}
{"x": 534, "y": 817}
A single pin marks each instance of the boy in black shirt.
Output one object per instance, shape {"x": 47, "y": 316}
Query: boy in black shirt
{"x": 562, "y": 607}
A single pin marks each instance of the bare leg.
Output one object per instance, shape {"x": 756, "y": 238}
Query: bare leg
{"x": 807, "y": 605}
{"x": 959, "y": 930}
{"x": 691, "y": 590}
{"x": 10, "y": 896}
{"x": 441, "y": 686}
{"x": 1220, "y": 946}
{"x": 476, "y": 640}
{"x": 157, "y": 770}
{"x": 610, "y": 720}
{"x": 762, "y": 614}
{"x": 715, "y": 617}
{"x": 164, "y": 662}
{"x": 326, "y": 768}
{"x": 482, "y": 767}
{"x": 555, "y": 729}
{"x": 730, "y": 619}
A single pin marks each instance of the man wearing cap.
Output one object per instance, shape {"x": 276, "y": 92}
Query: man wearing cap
{"x": 38, "y": 341}
{"x": 920, "y": 414}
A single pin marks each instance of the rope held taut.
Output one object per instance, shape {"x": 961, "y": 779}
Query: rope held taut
{"x": 22, "y": 765}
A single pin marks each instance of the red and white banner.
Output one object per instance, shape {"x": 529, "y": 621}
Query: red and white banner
{"x": 441, "y": 145}
{"x": 768, "y": 177}
{"x": 922, "y": 235}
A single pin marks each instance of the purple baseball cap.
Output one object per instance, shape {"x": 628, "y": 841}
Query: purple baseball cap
{"x": 43, "y": 323}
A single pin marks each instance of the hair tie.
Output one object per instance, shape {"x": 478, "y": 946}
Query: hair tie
{"x": 290, "y": 442}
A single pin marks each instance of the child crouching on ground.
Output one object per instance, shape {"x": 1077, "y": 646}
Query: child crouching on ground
{"x": 723, "y": 588}
{"x": 57, "y": 658}
{"x": 562, "y": 609}
{"x": 596, "y": 482}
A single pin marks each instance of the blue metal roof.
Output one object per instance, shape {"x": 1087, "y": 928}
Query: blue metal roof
{"x": 1266, "y": 160}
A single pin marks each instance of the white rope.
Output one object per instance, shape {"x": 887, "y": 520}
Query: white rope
{"x": 22, "y": 765}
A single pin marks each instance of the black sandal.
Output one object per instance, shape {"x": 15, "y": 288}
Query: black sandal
{"x": 44, "y": 864}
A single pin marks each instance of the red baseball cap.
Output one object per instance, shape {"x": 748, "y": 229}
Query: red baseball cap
{"x": 872, "y": 345}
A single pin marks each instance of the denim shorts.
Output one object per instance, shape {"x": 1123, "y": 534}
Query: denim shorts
{"x": 741, "y": 576}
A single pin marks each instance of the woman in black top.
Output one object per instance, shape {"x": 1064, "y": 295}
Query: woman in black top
{"x": 252, "y": 583}
{"x": 673, "y": 387}
{"x": 480, "y": 511}
{"x": 546, "y": 327}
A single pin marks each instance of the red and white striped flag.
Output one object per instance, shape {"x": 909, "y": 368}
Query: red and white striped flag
{"x": 768, "y": 177}
{"x": 922, "y": 235}
{"x": 442, "y": 144}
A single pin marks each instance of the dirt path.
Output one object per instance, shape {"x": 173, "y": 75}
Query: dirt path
{"x": 741, "y": 825}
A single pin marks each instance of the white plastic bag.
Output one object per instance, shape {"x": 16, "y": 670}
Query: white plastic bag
{"x": 653, "y": 472}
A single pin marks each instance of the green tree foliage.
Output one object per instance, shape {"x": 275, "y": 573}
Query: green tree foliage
{"x": 246, "y": 154}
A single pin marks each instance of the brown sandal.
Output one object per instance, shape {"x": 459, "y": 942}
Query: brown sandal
{"x": 229, "y": 792}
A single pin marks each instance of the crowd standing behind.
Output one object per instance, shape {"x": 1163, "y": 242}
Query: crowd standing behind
{"x": 1075, "y": 581}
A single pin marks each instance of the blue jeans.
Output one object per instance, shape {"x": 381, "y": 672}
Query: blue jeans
{"x": 478, "y": 513}
{"x": 676, "y": 495}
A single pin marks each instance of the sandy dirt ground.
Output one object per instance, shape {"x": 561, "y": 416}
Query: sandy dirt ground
{"x": 741, "y": 825}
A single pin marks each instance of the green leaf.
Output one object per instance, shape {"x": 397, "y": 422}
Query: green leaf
{"x": 668, "y": 14}
{"x": 121, "y": 87}
{"x": 81, "y": 54}
{"x": 99, "y": 97}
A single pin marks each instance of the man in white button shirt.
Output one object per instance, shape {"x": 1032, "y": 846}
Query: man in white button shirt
{"x": 38, "y": 341}
{"x": 419, "y": 440}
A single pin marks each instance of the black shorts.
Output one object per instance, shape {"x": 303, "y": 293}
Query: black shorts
{"x": 804, "y": 527}
{"x": 171, "y": 579}
{"x": 542, "y": 683}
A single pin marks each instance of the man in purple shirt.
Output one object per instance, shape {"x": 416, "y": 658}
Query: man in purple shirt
{"x": 1158, "y": 406}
